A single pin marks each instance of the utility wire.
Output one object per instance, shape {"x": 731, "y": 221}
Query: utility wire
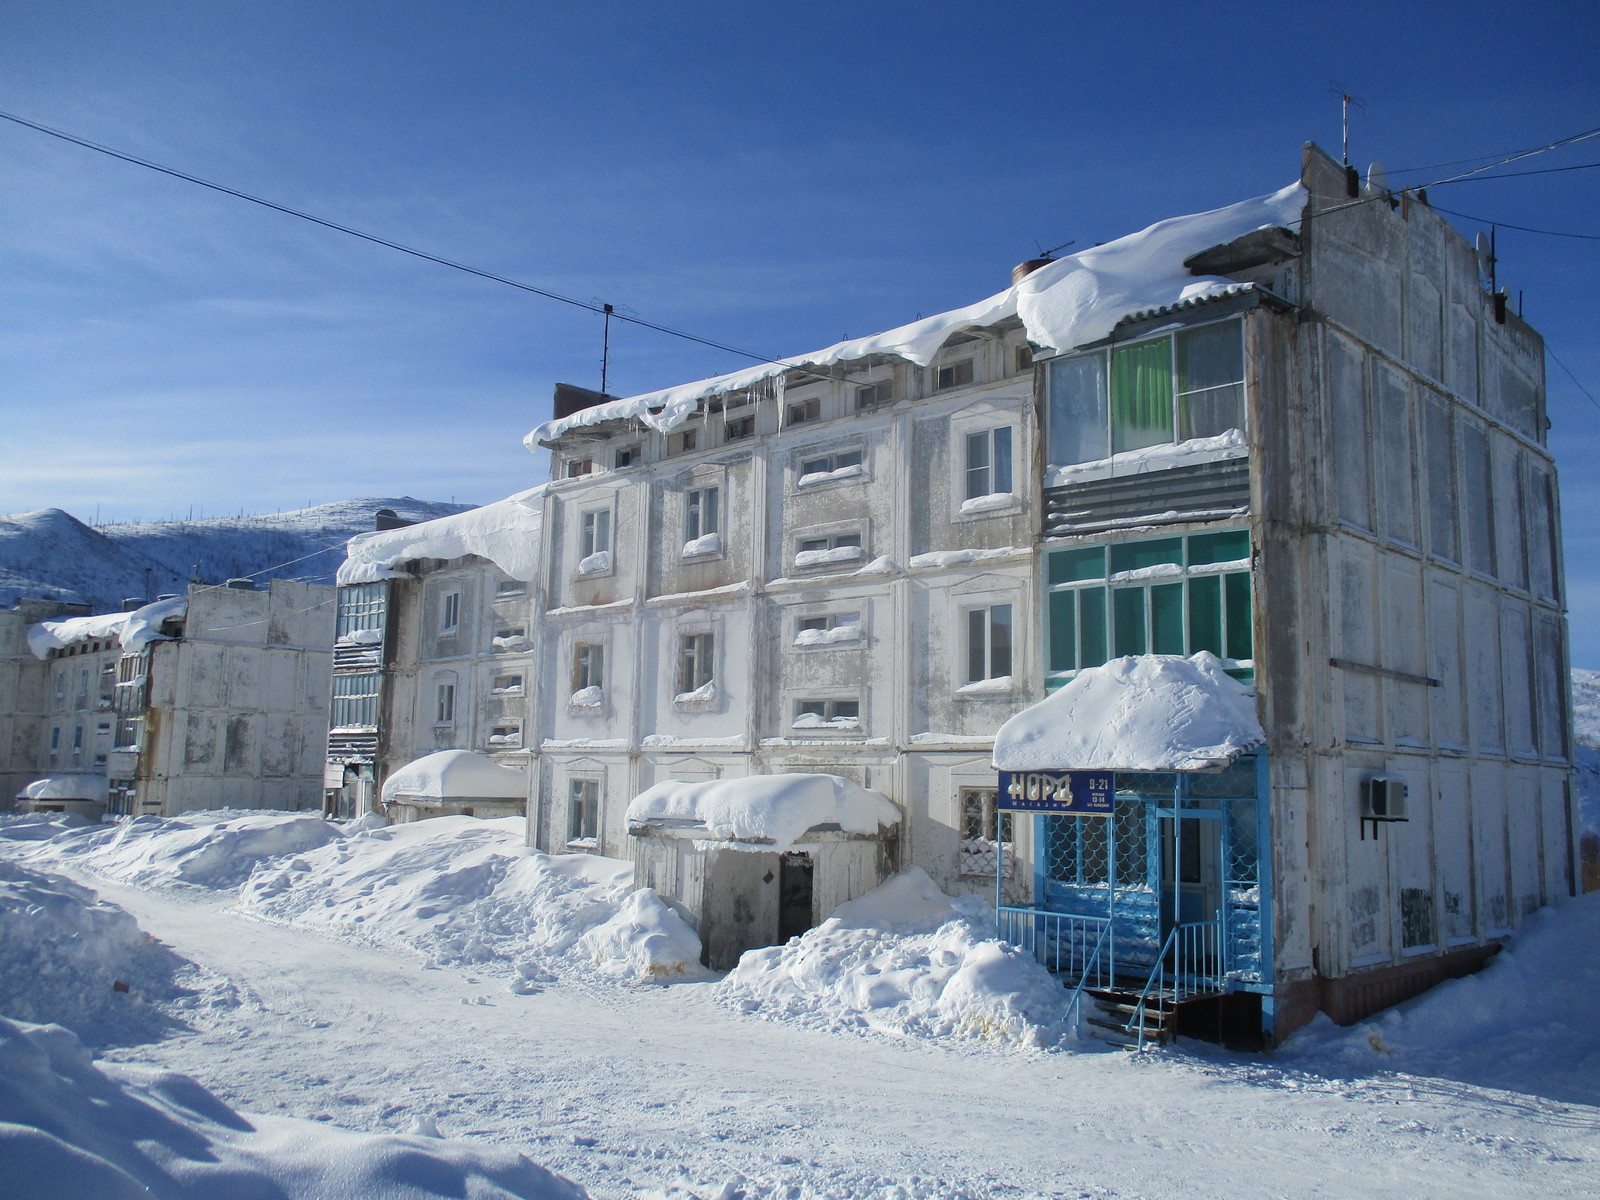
{"x": 1520, "y": 174}
{"x": 1588, "y": 237}
{"x": 1556, "y": 358}
{"x": 594, "y": 307}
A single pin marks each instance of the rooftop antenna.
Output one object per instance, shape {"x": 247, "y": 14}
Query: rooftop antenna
{"x": 605, "y": 350}
{"x": 1051, "y": 253}
{"x": 1345, "y": 101}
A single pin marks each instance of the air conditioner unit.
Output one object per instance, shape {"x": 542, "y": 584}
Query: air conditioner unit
{"x": 1383, "y": 799}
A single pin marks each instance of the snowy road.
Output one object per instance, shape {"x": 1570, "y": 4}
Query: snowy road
{"x": 661, "y": 1091}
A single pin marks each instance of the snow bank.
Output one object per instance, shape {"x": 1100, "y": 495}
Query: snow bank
{"x": 133, "y": 630}
{"x": 456, "y": 774}
{"x": 1063, "y": 304}
{"x": 776, "y": 809}
{"x": 1151, "y": 712}
{"x": 506, "y": 532}
{"x": 114, "y": 1131}
{"x": 466, "y": 890}
{"x": 69, "y": 957}
{"x": 215, "y": 849}
{"x": 1528, "y": 1022}
{"x": 66, "y": 787}
{"x": 904, "y": 959}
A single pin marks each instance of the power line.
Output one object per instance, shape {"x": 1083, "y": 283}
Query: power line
{"x": 1520, "y": 174}
{"x": 1571, "y": 376}
{"x": 594, "y": 307}
{"x": 1588, "y": 237}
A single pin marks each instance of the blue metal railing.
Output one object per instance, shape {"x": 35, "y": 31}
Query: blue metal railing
{"x": 1064, "y": 943}
{"x": 1190, "y": 964}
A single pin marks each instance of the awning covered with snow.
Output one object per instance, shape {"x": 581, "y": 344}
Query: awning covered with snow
{"x": 91, "y": 788}
{"x": 455, "y": 776}
{"x": 507, "y": 533}
{"x": 1150, "y": 712}
{"x": 776, "y": 811}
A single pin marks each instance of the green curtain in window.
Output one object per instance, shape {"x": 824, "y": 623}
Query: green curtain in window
{"x": 1141, "y": 396}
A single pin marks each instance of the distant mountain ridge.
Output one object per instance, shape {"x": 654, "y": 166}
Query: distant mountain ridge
{"x": 50, "y": 554}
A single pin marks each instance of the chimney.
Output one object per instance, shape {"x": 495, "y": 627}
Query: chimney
{"x": 1023, "y": 269}
{"x": 570, "y": 398}
{"x": 131, "y": 603}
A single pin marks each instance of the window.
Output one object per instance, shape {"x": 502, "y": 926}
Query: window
{"x": 1022, "y": 358}
{"x": 1174, "y": 388}
{"x": 445, "y": 708}
{"x": 450, "y": 613}
{"x": 588, "y": 666}
{"x": 988, "y": 643}
{"x": 986, "y": 834}
{"x": 1173, "y": 595}
{"x": 953, "y": 375}
{"x": 579, "y": 467}
{"x": 683, "y": 442}
{"x": 55, "y": 740}
{"x": 828, "y": 630}
{"x": 875, "y": 395}
{"x": 506, "y": 685}
{"x": 738, "y": 428}
{"x": 696, "y": 652}
{"x": 596, "y": 536}
{"x": 510, "y": 638}
{"x": 509, "y": 587}
{"x": 583, "y": 812}
{"x": 360, "y": 607}
{"x": 827, "y": 714}
{"x": 355, "y": 699}
{"x": 828, "y": 550}
{"x": 77, "y": 741}
{"x": 505, "y": 736}
{"x": 625, "y": 456}
{"x": 701, "y": 518}
{"x": 820, "y": 468}
{"x": 989, "y": 462}
{"x": 798, "y": 412}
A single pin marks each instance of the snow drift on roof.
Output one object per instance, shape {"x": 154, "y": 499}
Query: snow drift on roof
{"x": 1067, "y": 303}
{"x": 1150, "y": 712}
{"x": 767, "y": 808}
{"x": 505, "y": 532}
{"x": 456, "y": 775}
{"x": 133, "y": 630}
{"x": 66, "y": 787}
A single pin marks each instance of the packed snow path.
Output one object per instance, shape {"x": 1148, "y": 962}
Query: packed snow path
{"x": 663, "y": 1092}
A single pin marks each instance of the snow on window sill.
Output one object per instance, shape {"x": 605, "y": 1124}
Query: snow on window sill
{"x": 514, "y": 642}
{"x": 813, "y": 721}
{"x": 514, "y": 690}
{"x": 588, "y": 843}
{"x": 505, "y": 739}
{"x": 590, "y": 699}
{"x": 1000, "y": 685}
{"x": 699, "y": 698}
{"x": 829, "y": 637}
{"x": 993, "y": 502}
{"x": 361, "y": 637}
{"x": 823, "y": 558}
{"x": 710, "y": 543}
{"x": 596, "y": 563}
{"x": 1165, "y": 456}
{"x": 853, "y": 471}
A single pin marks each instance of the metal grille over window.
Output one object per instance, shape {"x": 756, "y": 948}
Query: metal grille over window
{"x": 986, "y": 844}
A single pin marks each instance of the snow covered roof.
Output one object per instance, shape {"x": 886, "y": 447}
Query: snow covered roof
{"x": 66, "y": 787}
{"x": 1065, "y": 303}
{"x": 767, "y": 808}
{"x": 505, "y": 532}
{"x": 133, "y": 630}
{"x": 456, "y": 775}
{"x": 1149, "y": 712}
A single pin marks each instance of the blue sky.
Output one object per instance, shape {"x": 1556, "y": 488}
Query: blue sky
{"x": 774, "y": 177}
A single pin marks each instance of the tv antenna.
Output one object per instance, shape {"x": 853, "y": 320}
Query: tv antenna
{"x": 1051, "y": 253}
{"x": 1346, "y": 101}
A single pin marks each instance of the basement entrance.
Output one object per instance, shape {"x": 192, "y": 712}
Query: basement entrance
{"x": 795, "y": 873}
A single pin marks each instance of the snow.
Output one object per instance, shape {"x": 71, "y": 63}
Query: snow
{"x": 507, "y": 533}
{"x": 706, "y": 543}
{"x": 811, "y": 720}
{"x": 814, "y": 478}
{"x": 66, "y": 787}
{"x": 882, "y": 565}
{"x": 455, "y": 775}
{"x": 990, "y": 503}
{"x": 361, "y": 637}
{"x": 1066, "y": 303}
{"x": 823, "y": 558}
{"x": 844, "y": 631}
{"x": 216, "y": 849}
{"x": 467, "y": 890}
{"x": 587, "y": 697}
{"x": 1153, "y": 712}
{"x": 595, "y": 564}
{"x": 1217, "y": 448}
{"x": 775, "y": 809}
{"x": 133, "y": 630}
{"x": 701, "y": 696}
{"x": 942, "y": 559}
{"x": 904, "y": 959}
{"x": 111, "y": 1131}
{"x": 1000, "y": 685}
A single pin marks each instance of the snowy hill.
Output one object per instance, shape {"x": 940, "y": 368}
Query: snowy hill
{"x": 53, "y": 555}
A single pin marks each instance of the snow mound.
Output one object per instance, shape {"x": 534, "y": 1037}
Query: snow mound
{"x": 1528, "y": 1022}
{"x": 69, "y": 957}
{"x": 133, "y": 630}
{"x": 467, "y": 890}
{"x": 904, "y": 959}
{"x": 113, "y": 1131}
{"x": 506, "y": 532}
{"x": 456, "y": 774}
{"x": 37, "y": 827}
{"x": 775, "y": 809}
{"x": 1149, "y": 712}
{"x": 217, "y": 849}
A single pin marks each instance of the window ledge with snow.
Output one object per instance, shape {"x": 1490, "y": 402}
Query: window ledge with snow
{"x": 1000, "y": 685}
{"x": 361, "y": 637}
{"x": 595, "y": 564}
{"x": 993, "y": 502}
{"x": 829, "y": 637}
{"x": 824, "y": 558}
{"x": 505, "y": 739}
{"x": 514, "y": 690}
{"x": 701, "y": 697}
{"x": 814, "y": 721}
{"x": 515, "y": 641}
{"x": 703, "y": 546}
{"x": 817, "y": 478}
{"x": 587, "y": 700}
{"x": 583, "y": 844}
